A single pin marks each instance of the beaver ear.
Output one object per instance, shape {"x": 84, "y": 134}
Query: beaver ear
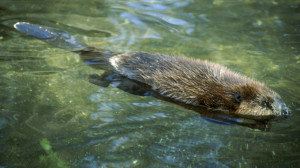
{"x": 238, "y": 97}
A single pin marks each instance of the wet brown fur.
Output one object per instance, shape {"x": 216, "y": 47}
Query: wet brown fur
{"x": 198, "y": 83}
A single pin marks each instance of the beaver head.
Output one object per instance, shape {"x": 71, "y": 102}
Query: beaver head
{"x": 255, "y": 99}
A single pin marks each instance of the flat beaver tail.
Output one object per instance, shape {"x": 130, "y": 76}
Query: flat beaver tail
{"x": 52, "y": 36}
{"x": 97, "y": 58}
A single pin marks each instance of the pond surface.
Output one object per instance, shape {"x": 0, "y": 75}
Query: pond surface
{"x": 52, "y": 116}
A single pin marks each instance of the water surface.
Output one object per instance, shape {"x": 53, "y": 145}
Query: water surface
{"x": 52, "y": 116}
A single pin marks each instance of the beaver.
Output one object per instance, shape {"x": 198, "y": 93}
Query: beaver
{"x": 185, "y": 80}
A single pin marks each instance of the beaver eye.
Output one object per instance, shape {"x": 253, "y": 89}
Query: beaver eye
{"x": 265, "y": 104}
{"x": 238, "y": 97}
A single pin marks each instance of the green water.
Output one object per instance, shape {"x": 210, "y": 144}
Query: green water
{"x": 52, "y": 116}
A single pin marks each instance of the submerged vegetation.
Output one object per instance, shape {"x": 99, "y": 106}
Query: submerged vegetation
{"x": 50, "y": 160}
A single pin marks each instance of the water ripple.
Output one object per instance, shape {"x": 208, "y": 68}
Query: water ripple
{"x": 168, "y": 19}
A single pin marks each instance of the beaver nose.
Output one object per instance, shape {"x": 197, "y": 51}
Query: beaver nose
{"x": 285, "y": 110}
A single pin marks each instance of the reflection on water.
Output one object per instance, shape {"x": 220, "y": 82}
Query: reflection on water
{"x": 46, "y": 94}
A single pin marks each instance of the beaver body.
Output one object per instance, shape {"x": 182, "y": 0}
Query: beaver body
{"x": 190, "y": 81}
{"x": 199, "y": 83}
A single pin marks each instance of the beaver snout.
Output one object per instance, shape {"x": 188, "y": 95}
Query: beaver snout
{"x": 284, "y": 110}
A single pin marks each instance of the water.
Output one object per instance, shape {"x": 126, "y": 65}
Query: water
{"x": 52, "y": 116}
